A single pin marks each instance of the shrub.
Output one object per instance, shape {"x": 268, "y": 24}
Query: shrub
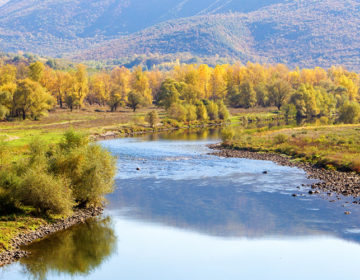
{"x": 190, "y": 112}
{"x": 201, "y": 112}
{"x": 212, "y": 110}
{"x": 153, "y": 119}
{"x": 223, "y": 111}
{"x": 90, "y": 170}
{"x": 177, "y": 112}
{"x": 227, "y": 134}
{"x": 350, "y": 113}
{"x": 52, "y": 180}
{"x": 45, "y": 192}
{"x": 8, "y": 184}
{"x": 289, "y": 111}
{"x": 72, "y": 140}
{"x": 280, "y": 139}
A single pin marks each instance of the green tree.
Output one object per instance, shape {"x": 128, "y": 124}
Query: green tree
{"x": 305, "y": 101}
{"x": 279, "y": 91}
{"x": 350, "y": 113}
{"x": 169, "y": 93}
{"x": 135, "y": 100}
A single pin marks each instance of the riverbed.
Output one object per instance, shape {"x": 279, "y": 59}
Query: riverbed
{"x": 180, "y": 213}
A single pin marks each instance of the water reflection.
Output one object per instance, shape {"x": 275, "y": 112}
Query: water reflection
{"x": 189, "y": 215}
{"x": 77, "y": 251}
{"x": 234, "y": 211}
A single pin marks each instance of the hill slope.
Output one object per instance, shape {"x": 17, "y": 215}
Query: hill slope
{"x": 296, "y": 32}
{"x": 305, "y": 33}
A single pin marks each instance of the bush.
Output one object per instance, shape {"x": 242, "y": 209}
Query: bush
{"x": 53, "y": 179}
{"x": 223, "y": 112}
{"x": 45, "y": 192}
{"x": 73, "y": 140}
{"x": 8, "y": 185}
{"x": 153, "y": 119}
{"x": 280, "y": 139}
{"x": 177, "y": 112}
{"x": 289, "y": 111}
{"x": 212, "y": 110}
{"x": 227, "y": 134}
{"x": 190, "y": 112}
{"x": 350, "y": 113}
{"x": 201, "y": 112}
{"x": 90, "y": 170}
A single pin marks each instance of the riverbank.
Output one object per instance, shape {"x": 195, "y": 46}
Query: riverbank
{"x": 331, "y": 182}
{"x": 26, "y": 238}
{"x": 130, "y": 132}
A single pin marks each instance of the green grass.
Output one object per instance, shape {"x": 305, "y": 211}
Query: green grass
{"x": 15, "y": 224}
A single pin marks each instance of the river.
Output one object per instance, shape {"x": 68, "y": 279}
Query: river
{"x": 189, "y": 215}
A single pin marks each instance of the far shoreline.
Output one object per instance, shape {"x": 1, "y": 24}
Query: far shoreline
{"x": 331, "y": 182}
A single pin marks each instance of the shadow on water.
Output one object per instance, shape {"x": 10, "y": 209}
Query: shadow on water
{"x": 76, "y": 252}
{"x": 232, "y": 211}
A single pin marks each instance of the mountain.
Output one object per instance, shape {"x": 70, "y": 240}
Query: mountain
{"x": 87, "y": 18}
{"x": 304, "y": 33}
{"x": 296, "y": 32}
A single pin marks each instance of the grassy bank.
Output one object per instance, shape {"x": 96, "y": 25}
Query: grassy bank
{"x": 329, "y": 146}
{"x": 42, "y": 182}
{"x": 17, "y": 137}
{"x": 91, "y": 121}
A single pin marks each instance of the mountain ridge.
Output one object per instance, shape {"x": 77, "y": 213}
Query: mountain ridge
{"x": 306, "y": 33}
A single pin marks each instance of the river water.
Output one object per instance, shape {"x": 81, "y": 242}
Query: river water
{"x": 189, "y": 215}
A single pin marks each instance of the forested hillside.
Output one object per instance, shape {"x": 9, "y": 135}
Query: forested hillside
{"x": 306, "y": 33}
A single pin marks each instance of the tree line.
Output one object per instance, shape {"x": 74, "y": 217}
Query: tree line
{"x": 186, "y": 91}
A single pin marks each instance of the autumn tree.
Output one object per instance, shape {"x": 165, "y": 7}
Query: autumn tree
{"x": 350, "y": 112}
{"x": 100, "y": 88}
{"x": 75, "y": 97}
{"x": 217, "y": 83}
{"x": 170, "y": 93}
{"x": 135, "y": 100}
{"x": 36, "y": 71}
{"x": 120, "y": 87}
{"x": 31, "y": 99}
{"x": 140, "y": 85}
{"x": 279, "y": 92}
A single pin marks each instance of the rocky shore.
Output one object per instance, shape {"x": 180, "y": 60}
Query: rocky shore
{"x": 331, "y": 182}
{"x": 24, "y": 239}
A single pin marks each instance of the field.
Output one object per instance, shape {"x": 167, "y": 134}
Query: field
{"x": 90, "y": 121}
{"x": 329, "y": 146}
